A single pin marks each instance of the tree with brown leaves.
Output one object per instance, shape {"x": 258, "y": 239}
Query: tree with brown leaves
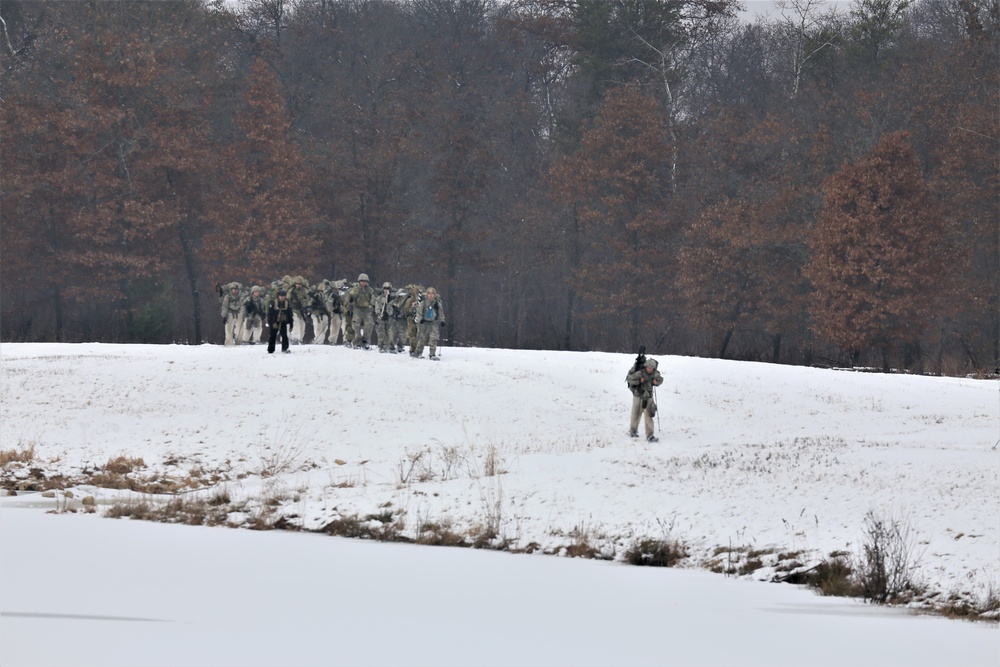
{"x": 263, "y": 224}
{"x": 881, "y": 252}
{"x": 618, "y": 183}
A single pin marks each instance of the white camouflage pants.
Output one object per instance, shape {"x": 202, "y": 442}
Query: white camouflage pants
{"x": 234, "y": 327}
{"x": 647, "y": 413}
{"x": 336, "y": 327}
{"x": 298, "y": 331}
{"x": 321, "y": 322}
{"x": 253, "y": 329}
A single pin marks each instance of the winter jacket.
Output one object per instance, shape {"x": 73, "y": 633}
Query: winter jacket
{"x": 279, "y": 313}
{"x": 254, "y": 307}
{"x": 383, "y": 306}
{"x": 361, "y": 298}
{"x": 641, "y": 383}
{"x": 232, "y": 303}
{"x": 429, "y": 312}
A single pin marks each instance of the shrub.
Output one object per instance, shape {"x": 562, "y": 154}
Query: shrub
{"x": 833, "y": 577}
{"x": 439, "y": 535}
{"x": 656, "y": 553}
{"x": 372, "y": 527}
{"x": 886, "y": 566}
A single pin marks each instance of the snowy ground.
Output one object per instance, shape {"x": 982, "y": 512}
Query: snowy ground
{"x": 775, "y": 463}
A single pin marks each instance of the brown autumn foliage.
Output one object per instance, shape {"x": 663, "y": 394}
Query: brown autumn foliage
{"x": 881, "y": 253}
{"x": 577, "y": 175}
{"x": 109, "y": 147}
{"x": 617, "y": 183}
{"x": 264, "y": 224}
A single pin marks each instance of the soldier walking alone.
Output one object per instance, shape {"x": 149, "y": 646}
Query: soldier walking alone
{"x": 641, "y": 380}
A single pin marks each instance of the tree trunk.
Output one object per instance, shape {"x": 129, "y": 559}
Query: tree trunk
{"x": 574, "y": 265}
{"x": 60, "y": 321}
{"x": 192, "y": 282}
{"x": 725, "y": 342}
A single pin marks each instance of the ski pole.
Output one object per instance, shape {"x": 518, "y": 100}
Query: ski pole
{"x": 657, "y": 404}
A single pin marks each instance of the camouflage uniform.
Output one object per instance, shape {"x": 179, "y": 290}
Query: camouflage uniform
{"x": 361, "y": 300}
{"x": 320, "y": 313}
{"x": 641, "y": 383}
{"x": 383, "y": 319}
{"x": 334, "y": 306}
{"x": 429, "y": 319}
{"x": 398, "y": 321}
{"x": 298, "y": 296}
{"x": 231, "y": 310}
{"x": 409, "y": 310}
{"x": 347, "y": 326}
{"x": 254, "y": 311}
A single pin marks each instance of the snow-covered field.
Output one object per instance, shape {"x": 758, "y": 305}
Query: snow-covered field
{"x": 774, "y": 463}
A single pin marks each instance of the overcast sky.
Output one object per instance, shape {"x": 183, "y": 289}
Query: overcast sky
{"x": 770, "y": 8}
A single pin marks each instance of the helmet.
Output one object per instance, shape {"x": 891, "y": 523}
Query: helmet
{"x": 363, "y": 276}
{"x": 387, "y": 285}
{"x": 282, "y": 292}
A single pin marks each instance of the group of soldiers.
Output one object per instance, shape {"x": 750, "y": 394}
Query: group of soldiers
{"x": 342, "y": 313}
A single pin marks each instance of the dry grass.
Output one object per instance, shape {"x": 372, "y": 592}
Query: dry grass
{"x": 381, "y": 527}
{"x": 187, "y": 511}
{"x": 26, "y": 454}
{"x": 656, "y": 553}
{"x": 440, "y": 535}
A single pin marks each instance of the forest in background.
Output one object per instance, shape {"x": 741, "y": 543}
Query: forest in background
{"x": 819, "y": 187}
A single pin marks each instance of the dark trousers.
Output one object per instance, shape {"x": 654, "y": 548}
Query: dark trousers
{"x": 273, "y": 335}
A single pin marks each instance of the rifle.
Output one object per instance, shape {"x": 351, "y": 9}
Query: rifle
{"x": 640, "y": 359}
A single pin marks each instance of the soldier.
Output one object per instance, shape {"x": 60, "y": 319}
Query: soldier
{"x": 320, "y": 313}
{"x": 409, "y": 309}
{"x": 254, "y": 311}
{"x": 280, "y": 315}
{"x": 429, "y": 319}
{"x": 383, "y": 319}
{"x": 641, "y": 380}
{"x": 231, "y": 310}
{"x": 345, "y": 305}
{"x": 398, "y": 321}
{"x": 331, "y": 295}
{"x": 298, "y": 296}
{"x": 361, "y": 308}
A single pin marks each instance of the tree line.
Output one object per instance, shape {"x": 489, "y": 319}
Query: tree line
{"x": 817, "y": 187}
